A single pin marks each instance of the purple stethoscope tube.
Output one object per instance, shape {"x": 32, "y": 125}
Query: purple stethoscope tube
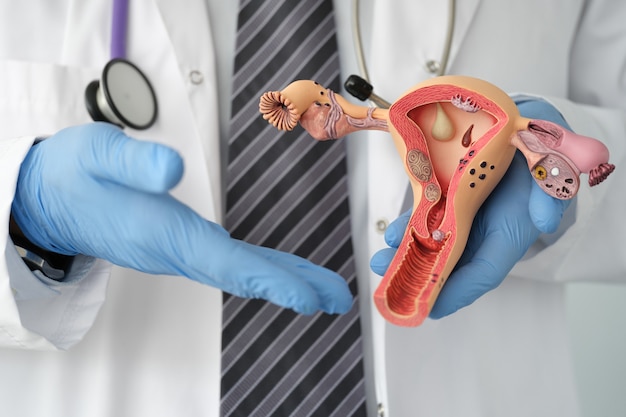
{"x": 119, "y": 29}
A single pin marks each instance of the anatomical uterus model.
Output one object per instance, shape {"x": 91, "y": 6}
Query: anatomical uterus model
{"x": 456, "y": 136}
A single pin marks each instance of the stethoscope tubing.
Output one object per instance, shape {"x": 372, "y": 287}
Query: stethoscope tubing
{"x": 119, "y": 29}
{"x": 360, "y": 54}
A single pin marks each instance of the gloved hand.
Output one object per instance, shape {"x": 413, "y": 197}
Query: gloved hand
{"x": 506, "y": 225}
{"x": 93, "y": 190}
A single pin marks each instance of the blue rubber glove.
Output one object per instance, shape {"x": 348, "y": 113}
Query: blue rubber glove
{"x": 93, "y": 190}
{"x": 507, "y": 224}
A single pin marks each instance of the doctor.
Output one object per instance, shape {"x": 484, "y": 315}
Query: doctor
{"x": 508, "y": 354}
{"x": 152, "y": 348}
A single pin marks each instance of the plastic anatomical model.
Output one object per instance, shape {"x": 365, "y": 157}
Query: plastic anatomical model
{"x": 456, "y": 136}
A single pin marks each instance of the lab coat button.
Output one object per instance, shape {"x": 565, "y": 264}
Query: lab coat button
{"x": 196, "y": 77}
{"x": 381, "y": 225}
{"x": 433, "y": 66}
{"x": 381, "y": 410}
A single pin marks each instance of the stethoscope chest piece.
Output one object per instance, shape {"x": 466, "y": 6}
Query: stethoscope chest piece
{"x": 123, "y": 96}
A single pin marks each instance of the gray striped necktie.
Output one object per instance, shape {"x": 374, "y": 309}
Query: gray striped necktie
{"x": 288, "y": 192}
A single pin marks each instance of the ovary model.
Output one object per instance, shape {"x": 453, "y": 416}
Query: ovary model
{"x": 456, "y": 136}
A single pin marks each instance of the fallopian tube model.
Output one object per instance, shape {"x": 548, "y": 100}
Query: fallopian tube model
{"x": 456, "y": 136}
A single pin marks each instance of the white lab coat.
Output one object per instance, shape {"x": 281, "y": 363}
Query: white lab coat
{"x": 152, "y": 348}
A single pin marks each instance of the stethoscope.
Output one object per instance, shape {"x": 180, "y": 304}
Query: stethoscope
{"x": 359, "y": 86}
{"x": 123, "y": 95}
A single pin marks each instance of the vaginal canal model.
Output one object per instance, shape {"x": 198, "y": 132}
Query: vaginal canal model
{"x": 456, "y": 136}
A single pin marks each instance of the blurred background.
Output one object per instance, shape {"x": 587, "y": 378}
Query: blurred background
{"x": 597, "y": 325}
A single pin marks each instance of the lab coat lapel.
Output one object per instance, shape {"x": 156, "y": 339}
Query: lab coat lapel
{"x": 465, "y": 12}
{"x": 188, "y": 31}
{"x": 190, "y": 35}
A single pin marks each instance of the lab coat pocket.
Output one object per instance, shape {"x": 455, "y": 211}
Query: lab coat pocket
{"x": 42, "y": 98}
